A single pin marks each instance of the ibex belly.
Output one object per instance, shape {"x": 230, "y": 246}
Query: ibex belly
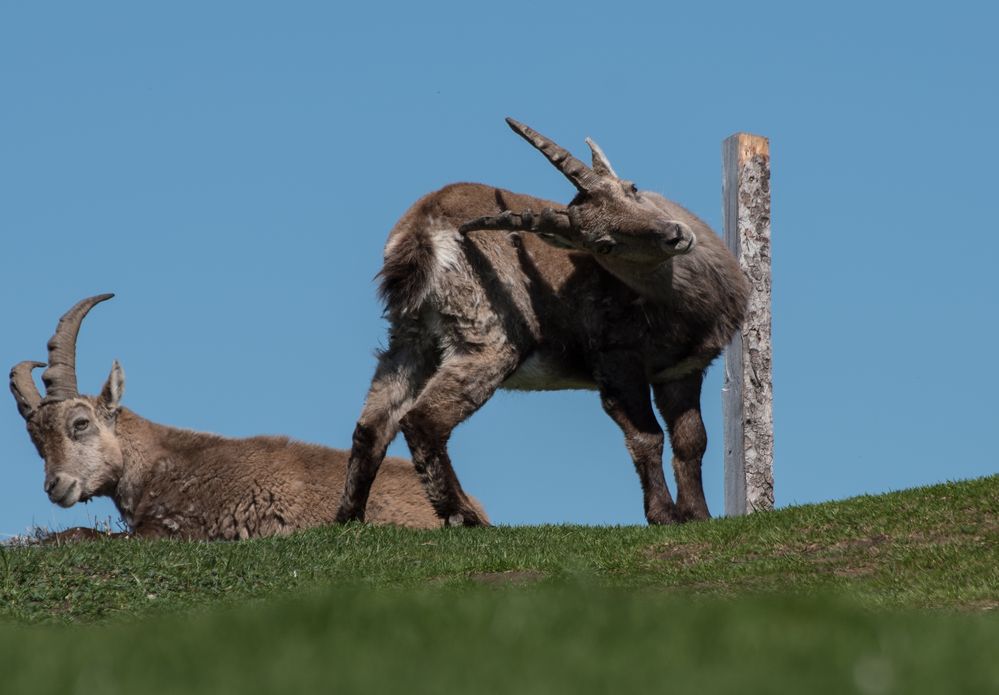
{"x": 541, "y": 373}
{"x": 682, "y": 368}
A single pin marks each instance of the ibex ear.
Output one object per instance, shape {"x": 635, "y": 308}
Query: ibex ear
{"x": 601, "y": 165}
{"x": 113, "y": 389}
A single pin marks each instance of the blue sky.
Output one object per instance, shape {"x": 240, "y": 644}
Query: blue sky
{"x": 231, "y": 170}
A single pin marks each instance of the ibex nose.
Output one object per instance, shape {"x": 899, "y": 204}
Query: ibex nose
{"x": 677, "y": 237}
{"x": 673, "y": 234}
{"x": 62, "y": 489}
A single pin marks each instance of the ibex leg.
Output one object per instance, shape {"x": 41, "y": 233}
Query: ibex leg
{"x": 624, "y": 393}
{"x": 680, "y": 404}
{"x": 400, "y": 374}
{"x": 461, "y": 385}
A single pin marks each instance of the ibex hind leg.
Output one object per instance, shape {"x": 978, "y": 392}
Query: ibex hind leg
{"x": 624, "y": 394}
{"x": 680, "y": 404}
{"x": 400, "y": 375}
{"x": 459, "y": 388}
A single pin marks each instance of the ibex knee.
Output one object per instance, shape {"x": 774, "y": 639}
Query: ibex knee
{"x": 646, "y": 444}
{"x": 373, "y": 434}
{"x": 420, "y": 430}
{"x": 365, "y": 436}
{"x": 688, "y": 437}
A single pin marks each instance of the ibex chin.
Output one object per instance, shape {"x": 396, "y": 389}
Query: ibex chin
{"x": 620, "y": 291}
{"x": 172, "y": 482}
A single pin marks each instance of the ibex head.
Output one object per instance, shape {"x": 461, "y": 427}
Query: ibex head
{"x": 609, "y": 216}
{"x": 74, "y": 434}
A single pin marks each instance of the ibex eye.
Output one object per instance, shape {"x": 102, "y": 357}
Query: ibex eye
{"x": 80, "y": 424}
{"x": 634, "y": 188}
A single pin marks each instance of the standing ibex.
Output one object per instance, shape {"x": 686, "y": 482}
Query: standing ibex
{"x": 630, "y": 291}
{"x": 173, "y": 482}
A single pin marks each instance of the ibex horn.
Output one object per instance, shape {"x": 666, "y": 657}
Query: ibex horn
{"x": 601, "y": 165}
{"x": 548, "y": 222}
{"x": 582, "y": 176}
{"x": 60, "y": 377}
{"x": 24, "y": 389}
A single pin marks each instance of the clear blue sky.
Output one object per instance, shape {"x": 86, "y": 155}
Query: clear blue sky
{"x": 231, "y": 170}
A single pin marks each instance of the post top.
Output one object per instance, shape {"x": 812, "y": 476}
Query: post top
{"x": 749, "y": 145}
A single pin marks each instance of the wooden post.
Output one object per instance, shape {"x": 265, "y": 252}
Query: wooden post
{"x": 747, "y": 397}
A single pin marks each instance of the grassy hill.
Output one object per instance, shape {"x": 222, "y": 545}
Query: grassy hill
{"x": 894, "y": 593}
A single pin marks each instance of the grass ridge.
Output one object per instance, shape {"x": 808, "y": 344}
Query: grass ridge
{"x": 927, "y": 547}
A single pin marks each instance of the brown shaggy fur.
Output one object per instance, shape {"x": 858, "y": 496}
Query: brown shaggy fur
{"x": 629, "y": 293}
{"x": 170, "y": 482}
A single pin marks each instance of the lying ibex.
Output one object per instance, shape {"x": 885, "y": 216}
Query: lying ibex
{"x": 630, "y": 290}
{"x": 173, "y": 482}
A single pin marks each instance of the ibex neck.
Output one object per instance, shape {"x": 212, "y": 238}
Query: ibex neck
{"x": 653, "y": 281}
{"x": 139, "y": 440}
{"x": 147, "y": 448}
{"x": 706, "y": 286}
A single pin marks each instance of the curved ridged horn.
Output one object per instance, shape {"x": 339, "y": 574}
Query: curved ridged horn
{"x": 548, "y": 222}
{"x": 60, "y": 377}
{"x": 24, "y": 389}
{"x": 601, "y": 165}
{"x": 581, "y": 176}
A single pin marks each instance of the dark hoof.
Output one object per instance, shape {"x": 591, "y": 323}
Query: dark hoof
{"x": 662, "y": 517}
{"x": 685, "y": 515}
{"x": 345, "y": 516}
{"x": 465, "y": 518}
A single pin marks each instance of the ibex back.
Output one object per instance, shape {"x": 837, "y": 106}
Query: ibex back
{"x": 620, "y": 291}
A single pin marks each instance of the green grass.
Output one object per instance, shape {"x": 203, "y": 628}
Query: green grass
{"x": 531, "y": 640}
{"x": 894, "y": 593}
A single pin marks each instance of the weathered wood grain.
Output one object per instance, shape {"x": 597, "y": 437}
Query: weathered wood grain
{"x": 747, "y": 397}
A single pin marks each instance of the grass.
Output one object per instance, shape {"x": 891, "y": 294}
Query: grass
{"x": 529, "y": 640}
{"x": 894, "y": 593}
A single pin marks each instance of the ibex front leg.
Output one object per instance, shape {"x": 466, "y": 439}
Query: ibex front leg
{"x": 680, "y": 404}
{"x": 461, "y": 385}
{"x": 624, "y": 393}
